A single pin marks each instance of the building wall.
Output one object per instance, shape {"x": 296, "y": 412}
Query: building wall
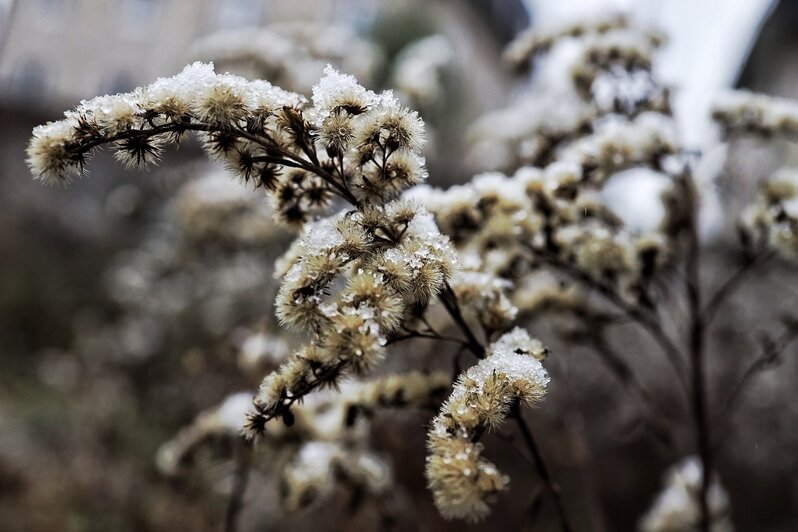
{"x": 56, "y": 52}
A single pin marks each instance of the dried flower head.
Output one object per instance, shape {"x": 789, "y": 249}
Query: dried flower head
{"x": 461, "y": 479}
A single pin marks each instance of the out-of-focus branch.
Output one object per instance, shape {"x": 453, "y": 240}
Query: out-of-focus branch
{"x": 637, "y": 314}
{"x": 626, "y": 375}
{"x": 697, "y": 342}
{"x": 737, "y": 279}
{"x": 243, "y": 461}
{"x": 769, "y": 357}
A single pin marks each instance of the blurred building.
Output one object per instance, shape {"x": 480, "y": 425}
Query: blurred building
{"x": 61, "y": 51}
{"x": 57, "y": 52}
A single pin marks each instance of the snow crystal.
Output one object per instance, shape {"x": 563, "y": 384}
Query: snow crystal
{"x": 321, "y": 235}
{"x": 516, "y": 367}
{"x": 335, "y": 89}
{"x": 182, "y": 86}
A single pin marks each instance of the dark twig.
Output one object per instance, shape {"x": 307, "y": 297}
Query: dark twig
{"x": 239, "y": 487}
{"x": 626, "y": 375}
{"x": 257, "y": 420}
{"x": 533, "y": 509}
{"x": 770, "y": 356}
{"x": 276, "y": 153}
{"x": 696, "y": 345}
{"x": 449, "y": 300}
{"x": 734, "y": 282}
{"x": 642, "y": 317}
{"x": 418, "y": 334}
{"x": 552, "y": 488}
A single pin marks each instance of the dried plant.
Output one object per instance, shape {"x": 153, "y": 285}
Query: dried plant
{"x": 380, "y": 259}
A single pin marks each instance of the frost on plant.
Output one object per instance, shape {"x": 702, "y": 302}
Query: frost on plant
{"x": 353, "y": 281}
{"x": 380, "y": 258}
{"x": 461, "y": 480}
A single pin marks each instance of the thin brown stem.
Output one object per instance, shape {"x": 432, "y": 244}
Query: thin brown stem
{"x": 770, "y": 356}
{"x": 644, "y": 318}
{"x": 449, "y": 300}
{"x": 261, "y": 416}
{"x": 418, "y": 334}
{"x": 734, "y": 282}
{"x": 552, "y": 488}
{"x": 532, "y": 509}
{"x": 239, "y": 487}
{"x": 310, "y": 166}
{"x": 286, "y": 157}
{"x": 626, "y": 375}
{"x": 696, "y": 345}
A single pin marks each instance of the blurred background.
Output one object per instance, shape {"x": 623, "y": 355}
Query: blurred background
{"x": 123, "y": 313}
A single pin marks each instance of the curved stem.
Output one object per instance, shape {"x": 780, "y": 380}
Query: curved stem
{"x": 643, "y": 318}
{"x": 624, "y": 373}
{"x": 733, "y": 282}
{"x": 261, "y": 416}
{"x": 417, "y": 334}
{"x": 771, "y": 355}
{"x": 552, "y": 488}
{"x": 310, "y": 166}
{"x": 449, "y": 300}
{"x": 286, "y": 158}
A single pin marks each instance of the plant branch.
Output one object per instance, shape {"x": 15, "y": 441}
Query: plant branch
{"x": 696, "y": 344}
{"x": 770, "y": 356}
{"x": 419, "y": 334}
{"x": 552, "y": 488}
{"x": 282, "y": 408}
{"x": 637, "y": 314}
{"x": 624, "y": 373}
{"x": 449, "y": 300}
{"x": 286, "y": 157}
{"x": 239, "y": 487}
{"x": 734, "y": 282}
{"x": 310, "y": 166}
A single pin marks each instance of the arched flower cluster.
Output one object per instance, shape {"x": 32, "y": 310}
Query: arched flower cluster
{"x": 350, "y": 143}
{"x": 352, "y": 282}
{"x": 461, "y": 479}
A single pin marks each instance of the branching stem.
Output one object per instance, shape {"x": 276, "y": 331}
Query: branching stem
{"x": 696, "y": 348}
{"x": 644, "y": 318}
{"x": 770, "y": 356}
{"x": 734, "y": 282}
